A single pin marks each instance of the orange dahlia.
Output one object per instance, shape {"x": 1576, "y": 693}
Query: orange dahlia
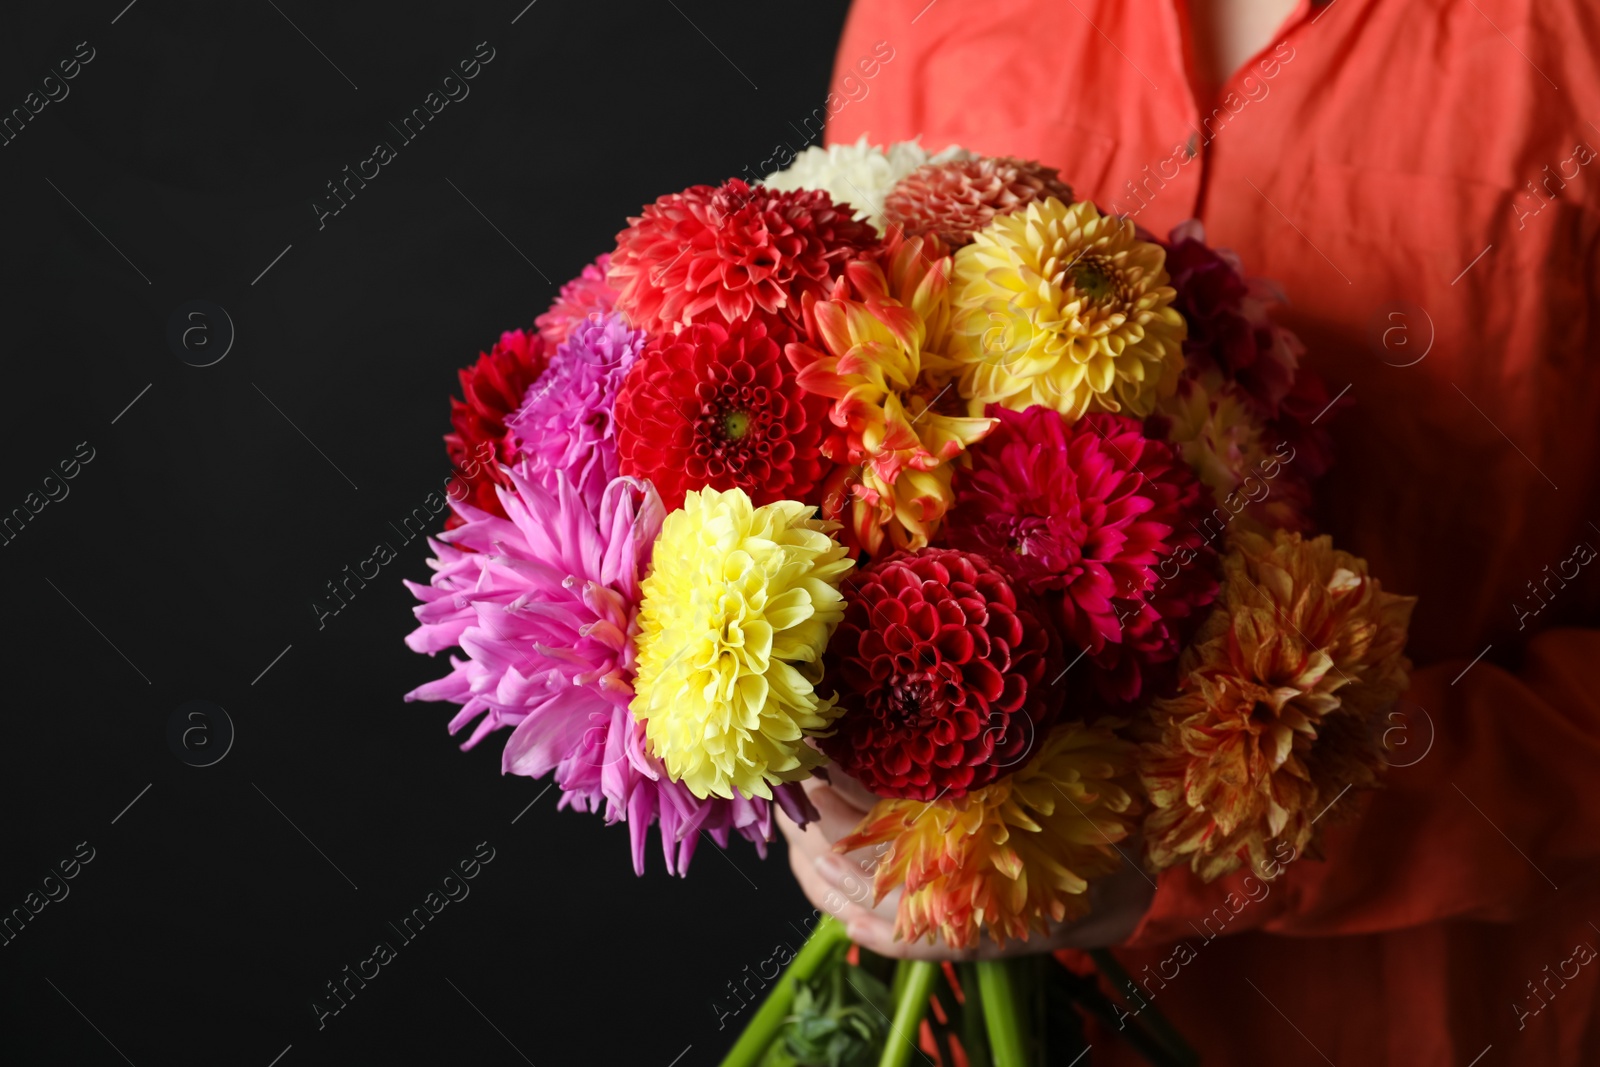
{"x": 1011, "y": 857}
{"x": 723, "y": 253}
{"x": 955, "y": 199}
{"x": 876, "y": 346}
{"x": 1277, "y": 718}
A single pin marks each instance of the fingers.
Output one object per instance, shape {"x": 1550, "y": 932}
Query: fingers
{"x": 838, "y": 816}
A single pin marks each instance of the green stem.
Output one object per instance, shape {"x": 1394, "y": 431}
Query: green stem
{"x": 909, "y": 1007}
{"x": 1002, "y": 1012}
{"x": 973, "y": 1039}
{"x": 769, "y": 1018}
{"x": 1160, "y": 1026}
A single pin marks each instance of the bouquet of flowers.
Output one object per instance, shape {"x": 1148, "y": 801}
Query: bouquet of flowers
{"x": 917, "y": 469}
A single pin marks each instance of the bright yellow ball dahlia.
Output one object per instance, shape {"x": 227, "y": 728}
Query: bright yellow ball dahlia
{"x": 1010, "y": 857}
{"x": 884, "y": 359}
{"x": 1061, "y": 306}
{"x": 736, "y": 610}
{"x": 1278, "y": 709}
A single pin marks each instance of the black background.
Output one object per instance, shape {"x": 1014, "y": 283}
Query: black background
{"x": 188, "y": 551}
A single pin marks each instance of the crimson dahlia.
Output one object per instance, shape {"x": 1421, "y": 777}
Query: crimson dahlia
{"x": 493, "y": 388}
{"x": 944, "y": 669}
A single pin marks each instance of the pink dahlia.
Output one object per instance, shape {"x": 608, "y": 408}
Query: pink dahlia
{"x": 543, "y": 603}
{"x": 564, "y": 423}
{"x": 729, "y": 251}
{"x": 1096, "y": 518}
{"x": 587, "y": 296}
{"x": 955, "y": 199}
{"x": 491, "y": 389}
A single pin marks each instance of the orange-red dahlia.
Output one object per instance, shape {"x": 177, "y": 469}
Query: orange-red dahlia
{"x": 725, "y": 252}
{"x": 1011, "y": 857}
{"x": 719, "y": 406}
{"x": 493, "y": 388}
{"x": 877, "y": 347}
{"x": 1095, "y": 519}
{"x": 944, "y": 672}
{"x": 1278, "y": 711}
{"x": 956, "y": 199}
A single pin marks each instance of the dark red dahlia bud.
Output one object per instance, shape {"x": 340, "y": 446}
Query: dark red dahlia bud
{"x": 944, "y": 669}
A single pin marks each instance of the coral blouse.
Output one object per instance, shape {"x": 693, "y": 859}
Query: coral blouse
{"x": 1420, "y": 177}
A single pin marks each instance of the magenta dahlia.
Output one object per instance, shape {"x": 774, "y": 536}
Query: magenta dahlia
{"x": 726, "y": 252}
{"x": 587, "y": 296}
{"x": 543, "y": 605}
{"x": 492, "y": 388}
{"x": 1095, "y": 517}
{"x": 564, "y": 423}
{"x": 719, "y": 406}
{"x": 944, "y": 668}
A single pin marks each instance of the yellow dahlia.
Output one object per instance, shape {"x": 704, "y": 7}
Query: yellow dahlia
{"x": 737, "y": 607}
{"x": 1010, "y": 857}
{"x": 879, "y": 347}
{"x": 1062, "y": 306}
{"x": 1279, "y": 709}
{"x": 1252, "y": 480}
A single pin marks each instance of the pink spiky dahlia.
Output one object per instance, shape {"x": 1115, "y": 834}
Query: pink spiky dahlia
{"x": 1095, "y": 517}
{"x": 543, "y": 604}
{"x": 587, "y": 296}
{"x": 726, "y": 252}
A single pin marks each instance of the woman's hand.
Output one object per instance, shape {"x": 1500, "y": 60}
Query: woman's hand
{"x": 842, "y": 886}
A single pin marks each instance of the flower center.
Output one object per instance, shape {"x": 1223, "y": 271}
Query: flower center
{"x": 735, "y": 424}
{"x": 1095, "y": 278}
{"x": 909, "y": 703}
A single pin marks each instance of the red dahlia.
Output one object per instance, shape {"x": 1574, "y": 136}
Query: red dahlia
{"x": 944, "y": 670}
{"x": 493, "y": 387}
{"x": 719, "y": 406}
{"x": 1096, "y": 517}
{"x": 727, "y": 251}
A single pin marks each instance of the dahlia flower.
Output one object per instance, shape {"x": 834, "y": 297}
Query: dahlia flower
{"x": 955, "y": 199}
{"x": 719, "y": 406}
{"x": 584, "y": 297}
{"x": 1256, "y": 479}
{"x": 564, "y": 423}
{"x": 1011, "y": 857}
{"x": 877, "y": 347}
{"x": 736, "y": 612}
{"x": 1277, "y": 716}
{"x": 724, "y": 253}
{"x": 944, "y": 671}
{"x": 492, "y": 388}
{"x": 1061, "y": 306}
{"x": 542, "y": 603}
{"x": 1230, "y": 328}
{"x": 1094, "y": 518}
{"x": 859, "y": 174}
